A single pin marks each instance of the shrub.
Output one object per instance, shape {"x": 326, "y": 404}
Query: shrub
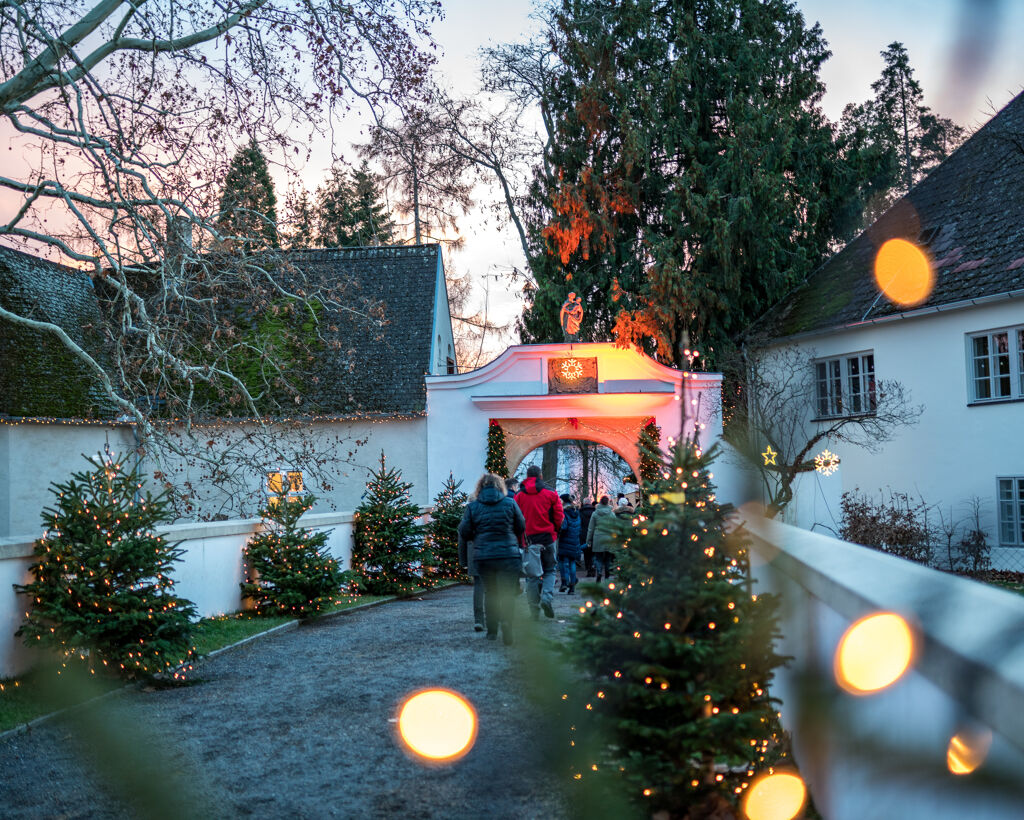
{"x": 898, "y": 526}
{"x": 287, "y": 572}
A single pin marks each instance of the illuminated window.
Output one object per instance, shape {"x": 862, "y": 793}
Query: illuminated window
{"x": 845, "y": 386}
{"x": 288, "y": 481}
{"x": 997, "y": 364}
{"x": 1011, "y": 510}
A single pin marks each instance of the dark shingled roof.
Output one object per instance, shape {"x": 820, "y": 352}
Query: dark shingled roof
{"x": 376, "y": 325}
{"x": 39, "y": 376}
{"x": 968, "y": 215}
{"x": 379, "y": 342}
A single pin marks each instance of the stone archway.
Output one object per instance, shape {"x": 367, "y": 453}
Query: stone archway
{"x": 523, "y": 436}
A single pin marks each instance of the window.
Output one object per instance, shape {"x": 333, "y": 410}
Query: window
{"x": 845, "y": 386}
{"x": 997, "y": 365}
{"x": 1011, "y": 510}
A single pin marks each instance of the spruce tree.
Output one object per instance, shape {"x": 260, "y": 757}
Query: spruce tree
{"x": 103, "y": 589}
{"x": 496, "y": 462}
{"x": 248, "y": 204}
{"x": 287, "y": 570}
{"x": 350, "y": 212}
{"x": 442, "y": 530}
{"x": 650, "y": 452}
{"x": 387, "y": 540}
{"x": 677, "y": 655}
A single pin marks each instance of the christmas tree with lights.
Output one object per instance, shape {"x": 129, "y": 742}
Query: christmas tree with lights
{"x": 443, "y": 530}
{"x": 387, "y": 542}
{"x": 677, "y": 656}
{"x": 103, "y": 593}
{"x": 287, "y": 570}
{"x": 650, "y": 453}
{"x": 496, "y": 462}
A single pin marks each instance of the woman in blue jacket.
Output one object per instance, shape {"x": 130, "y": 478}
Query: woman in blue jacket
{"x": 569, "y": 547}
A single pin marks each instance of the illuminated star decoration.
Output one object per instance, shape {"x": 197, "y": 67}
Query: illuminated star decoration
{"x": 826, "y": 462}
{"x": 769, "y": 456}
{"x": 572, "y": 369}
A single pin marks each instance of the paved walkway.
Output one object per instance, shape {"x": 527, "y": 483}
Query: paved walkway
{"x": 297, "y": 725}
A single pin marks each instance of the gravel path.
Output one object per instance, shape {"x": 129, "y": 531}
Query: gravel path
{"x": 298, "y": 725}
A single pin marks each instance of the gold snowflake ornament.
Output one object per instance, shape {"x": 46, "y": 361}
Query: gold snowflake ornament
{"x": 826, "y": 462}
{"x": 572, "y": 369}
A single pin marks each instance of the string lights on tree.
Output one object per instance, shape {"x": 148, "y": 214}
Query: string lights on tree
{"x": 442, "y": 531}
{"x": 496, "y": 462}
{"x": 102, "y": 592}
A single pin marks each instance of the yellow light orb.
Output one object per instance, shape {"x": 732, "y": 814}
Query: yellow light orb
{"x": 778, "y": 796}
{"x": 874, "y": 653}
{"x": 967, "y": 750}
{"x": 438, "y": 725}
{"x": 903, "y": 272}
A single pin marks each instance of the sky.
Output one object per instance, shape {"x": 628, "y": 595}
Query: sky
{"x": 966, "y": 83}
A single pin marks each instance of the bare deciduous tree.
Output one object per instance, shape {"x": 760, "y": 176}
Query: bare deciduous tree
{"x": 775, "y": 406}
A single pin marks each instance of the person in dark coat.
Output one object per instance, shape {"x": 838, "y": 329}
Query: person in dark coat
{"x": 466, "y": 560}
{"x": 495, "y": 525}
{"x": 542, "y": 509}
{"x": 586, "y": 511}
{"x": 569, "y": 545}
{"x": 511, "y": 487}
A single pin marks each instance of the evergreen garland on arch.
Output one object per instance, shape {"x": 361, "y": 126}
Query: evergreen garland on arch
{"x": 102, "y": 591}
{"x": 496, "y": 462}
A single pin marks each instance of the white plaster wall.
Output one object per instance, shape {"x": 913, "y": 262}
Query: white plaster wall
{"x": 883, "y": 756}
{"x": 34, "y": 455}
{"x": 954, "y": 451}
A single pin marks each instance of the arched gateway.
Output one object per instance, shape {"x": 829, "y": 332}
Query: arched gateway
{"x": 541, "y": 393}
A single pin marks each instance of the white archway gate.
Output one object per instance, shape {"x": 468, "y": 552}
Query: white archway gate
{"x": 541, "y": 393}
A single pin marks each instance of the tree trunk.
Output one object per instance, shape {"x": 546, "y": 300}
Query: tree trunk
{"x": 549, "y": 464}
{"x": 416, "y": 198}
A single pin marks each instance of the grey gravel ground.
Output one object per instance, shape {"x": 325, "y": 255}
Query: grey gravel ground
{"x": 297, "y": 725}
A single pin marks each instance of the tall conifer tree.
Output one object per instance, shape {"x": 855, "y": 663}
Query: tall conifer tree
{"x": 248, "y": 204}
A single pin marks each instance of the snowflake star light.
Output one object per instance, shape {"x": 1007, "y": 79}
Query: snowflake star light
{"x": 826, "y": 462}
{"x": 572, "y": 369}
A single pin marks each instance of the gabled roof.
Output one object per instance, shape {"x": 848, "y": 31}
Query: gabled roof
{"x": 377, "y": 325}
{"x": 968, "y": 215}
{"x": 39, "y": 376}
{"x": 379, "y": 339}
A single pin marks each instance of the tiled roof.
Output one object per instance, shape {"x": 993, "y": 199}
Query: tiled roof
{"x": 39, "y": 376}
{"x": 379, "y": 335}
{"x": 968, "y": 215}
{"x": 376, "y": 324}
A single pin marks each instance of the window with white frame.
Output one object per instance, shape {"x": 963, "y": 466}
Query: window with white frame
{"x": 845, "y": 385}
{"x": 997, "y": 364}
{"x": 1011, "y": 510}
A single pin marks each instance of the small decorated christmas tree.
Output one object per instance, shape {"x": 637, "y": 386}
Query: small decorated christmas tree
{"x": 496, "y": 462}
{"x": 678, "y": 655}
{"x": 103, "y": 592}
{"x": 288, "y": 573}
{"x": 650, "y": 452}
{"x": 388, "y": 544}
{"x": 442, "y": 530}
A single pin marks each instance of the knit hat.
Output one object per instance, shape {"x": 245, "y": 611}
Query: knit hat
{"x": 566, "y": 498}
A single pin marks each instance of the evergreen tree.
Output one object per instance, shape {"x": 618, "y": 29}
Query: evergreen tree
{"x": 677, "y": 655}
{"x": 288, "y": 571}
{"x": 442, "y": 530}
{"x": 690, "y": 180}
{"x": 303, "y": 227}
{"x": 650, "y": 452}
{"x": 350, "y": 212}
{"x": 248, "y": 204}
{"x": 103, "y": 588}
{"x": 388, "y": 543}
{"x": 496, "y": 462}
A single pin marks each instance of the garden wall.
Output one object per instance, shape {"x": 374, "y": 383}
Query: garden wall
{"x": 884, "y": 755}
{"x": 208, "y": 574}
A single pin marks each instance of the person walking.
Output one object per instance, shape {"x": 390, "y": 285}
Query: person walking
{"x": 495, "y": 525}
{"x": 599, "y": 537}
{"x": 586, "y": 511}
{"x": 542, "y": 510}
{"x": 511, "y": 487}
{"x": 569, "y": 545}
{"x": 466, "y": 560}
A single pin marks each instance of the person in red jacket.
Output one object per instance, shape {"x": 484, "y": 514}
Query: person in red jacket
{"x": 542, "y": 509}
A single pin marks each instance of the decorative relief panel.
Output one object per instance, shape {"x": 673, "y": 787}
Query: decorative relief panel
{"x": 572, "y": 375}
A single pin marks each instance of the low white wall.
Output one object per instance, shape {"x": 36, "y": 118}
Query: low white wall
{"x": 208, "y": 574}
{"x": 884, "y": 755}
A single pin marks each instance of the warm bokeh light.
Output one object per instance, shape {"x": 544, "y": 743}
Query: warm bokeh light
{"x": 874, "y": 653}
{"x": 437, "y": 724}
{"x": 967, "y": 750}
{"x": 903, "y": 272}
{"x": 778, "y": 796}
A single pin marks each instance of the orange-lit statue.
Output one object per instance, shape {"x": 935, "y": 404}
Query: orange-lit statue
{"x": 571, "y": 315}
